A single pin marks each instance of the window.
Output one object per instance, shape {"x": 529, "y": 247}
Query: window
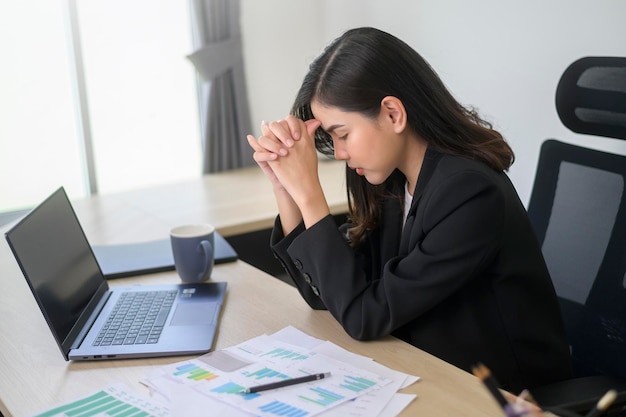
{"x": 140, "y": 95}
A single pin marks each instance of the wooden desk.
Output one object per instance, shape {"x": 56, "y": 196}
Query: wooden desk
{"x": 34, "y": 376}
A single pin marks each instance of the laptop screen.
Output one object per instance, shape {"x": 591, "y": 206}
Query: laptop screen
{"x": 56, "y": 260}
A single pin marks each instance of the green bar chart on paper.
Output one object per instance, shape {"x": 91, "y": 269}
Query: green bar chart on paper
{"x": 356, "y": 384}
{"x": 321, "y": 396}
{"x": 229, "y": 388}
{"x": 265, "y": 372}
{"x": 194, "y": 372}
{"x": 285, "y": 354}
{"x": 111, "y": 401}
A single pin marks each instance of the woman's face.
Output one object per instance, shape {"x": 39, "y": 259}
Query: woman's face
{"x": 369, "y": 146}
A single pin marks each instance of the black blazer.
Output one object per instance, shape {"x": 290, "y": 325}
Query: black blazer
{"x": 464, "y": 279}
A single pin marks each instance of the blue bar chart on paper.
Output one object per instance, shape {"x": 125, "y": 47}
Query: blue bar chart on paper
{"x": 283, "y": 409}
{"x": 233, "y": 389}
{"x": 311, "y": 399}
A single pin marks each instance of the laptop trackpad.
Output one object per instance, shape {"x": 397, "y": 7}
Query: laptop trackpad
{"x": 193, "y": 314}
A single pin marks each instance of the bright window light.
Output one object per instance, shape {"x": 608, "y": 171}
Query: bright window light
{"x": 140, "y": 89}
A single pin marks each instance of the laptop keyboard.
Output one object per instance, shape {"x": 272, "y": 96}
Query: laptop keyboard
{"x": 137, "y": 318}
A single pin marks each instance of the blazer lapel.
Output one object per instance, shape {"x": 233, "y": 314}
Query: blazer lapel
{"x": 431, "y": 159}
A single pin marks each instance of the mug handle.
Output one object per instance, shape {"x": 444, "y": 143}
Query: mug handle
{"x": 207, "y": 249}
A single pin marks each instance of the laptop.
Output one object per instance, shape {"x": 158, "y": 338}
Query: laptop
{"x": 65, "y": 278}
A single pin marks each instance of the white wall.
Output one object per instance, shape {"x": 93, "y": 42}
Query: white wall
{"x": 504, "y": 58}
{"x": 280, "y": 39}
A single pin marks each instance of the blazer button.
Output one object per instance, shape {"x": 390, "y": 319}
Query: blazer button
{"x": 307, "y": 278}
{"x": 298, "y": 264}
{"x": 315, "y": 290}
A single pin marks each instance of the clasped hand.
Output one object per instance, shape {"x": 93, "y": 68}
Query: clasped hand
{"x": 286, "y": 153}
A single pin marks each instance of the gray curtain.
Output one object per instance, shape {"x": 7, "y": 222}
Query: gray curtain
{"x": 223, "y": 101}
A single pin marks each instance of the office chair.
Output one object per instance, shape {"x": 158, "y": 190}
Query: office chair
{"x": 578, "y": 209}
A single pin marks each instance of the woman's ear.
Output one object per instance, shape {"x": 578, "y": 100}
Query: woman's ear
{"x": 393, "y": 111}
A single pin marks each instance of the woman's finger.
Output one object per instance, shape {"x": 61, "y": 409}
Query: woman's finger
{"x": 260, "y": 153}
{"x": 272, "y": 141}
{"x": 312, "y": 125}
{"x": 269, "y": 144}
{"x": 281, "y": 130}
{"x": 295, "y": 126}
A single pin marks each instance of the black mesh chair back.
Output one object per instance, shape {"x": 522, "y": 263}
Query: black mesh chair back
{"x": 578, "y": 209}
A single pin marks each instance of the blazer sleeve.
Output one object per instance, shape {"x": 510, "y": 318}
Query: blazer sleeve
{"x": 279, "y": 245}
{"x": 451, "y": 238}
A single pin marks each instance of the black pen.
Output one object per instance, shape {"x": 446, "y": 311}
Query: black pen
{"x": 484, "y": 374}
{"x": 286, "y": 383}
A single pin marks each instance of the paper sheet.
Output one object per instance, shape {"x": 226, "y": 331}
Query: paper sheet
{"x": 224, "y": 374}
{"x": 284, "y": 354}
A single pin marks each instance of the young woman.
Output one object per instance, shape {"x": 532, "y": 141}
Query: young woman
{"x": 439, "y": 250}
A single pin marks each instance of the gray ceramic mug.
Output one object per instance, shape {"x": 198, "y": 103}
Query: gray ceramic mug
{"x": 193, "y": 247}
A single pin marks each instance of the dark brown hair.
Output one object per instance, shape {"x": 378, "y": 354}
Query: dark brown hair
{"x": 354, "y": 74}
